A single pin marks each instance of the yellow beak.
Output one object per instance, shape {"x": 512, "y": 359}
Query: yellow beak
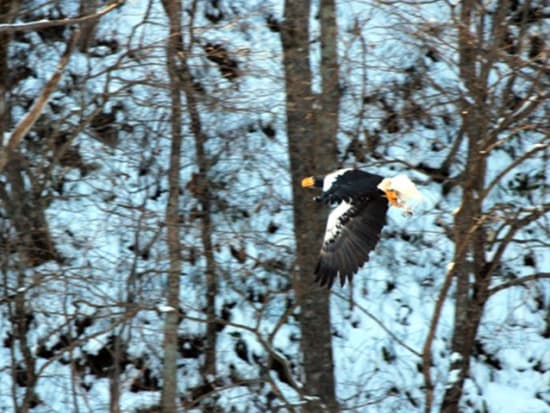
{"x": 392, "y": 196}
{"x": 308, "y": 182}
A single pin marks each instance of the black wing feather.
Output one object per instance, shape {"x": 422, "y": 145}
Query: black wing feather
{"x": 358, "y": 232}
{"x": 351, "y": 184}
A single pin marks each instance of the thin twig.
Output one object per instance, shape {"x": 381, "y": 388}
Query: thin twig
{"x": 380, "y": 323}
{"x": 526, "y": 156}
{"x": 43, "y": 24}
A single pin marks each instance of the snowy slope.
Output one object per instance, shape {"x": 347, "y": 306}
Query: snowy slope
{"x": 108, "y": 223}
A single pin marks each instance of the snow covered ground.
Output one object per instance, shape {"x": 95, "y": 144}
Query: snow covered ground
{"x": 108, "y": 224}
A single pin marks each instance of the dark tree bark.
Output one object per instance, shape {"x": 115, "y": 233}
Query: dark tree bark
{"x": 8, "y": 11}
{"x": 329, "y": 100}
{"x": 19, "y": 314}
{"x": 25, "y": 207}
{"x": 312, "y": 150}
{"x": 114, "y": 376}
{"x": 87, "y": 28}
{"x": 473, "y": 265}
{"x": 201, "y": 191}
{"x": 466, "y": 232}
{"x": 182, "y": 81}
{"x": 170, "y": 386}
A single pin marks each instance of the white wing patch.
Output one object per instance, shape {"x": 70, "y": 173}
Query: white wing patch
{"x": 333, "y": 221}
{"x": 331, "y": 177}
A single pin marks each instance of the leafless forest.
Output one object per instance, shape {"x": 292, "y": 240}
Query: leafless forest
{"x": 157, "y": 250}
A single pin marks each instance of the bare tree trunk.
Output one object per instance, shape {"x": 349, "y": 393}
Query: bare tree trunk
{"x": 21, "y": 326}
{"x": 201, "y": 191}
{"x": 310, "y": 152}
{"x": 87, "y": 28}
{"x": 469, "y": 226}
{"x": 329, "y": 101}
{"x": 114, "y": 376}
{"x": 468, "y": 231}
{"x": 8, "y": 10}
{"x": 469, "y": 211}
{"x": 170, "y": 386}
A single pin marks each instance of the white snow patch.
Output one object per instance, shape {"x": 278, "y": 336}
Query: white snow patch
{"x": 506, "y": 399}
{"x": 453, "y": 377}
{"x": 455, "y": 357}
{"x": 165, "y": 308}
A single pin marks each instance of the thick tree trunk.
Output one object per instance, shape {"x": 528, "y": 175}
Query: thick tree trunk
{"x": 329, "y": 100}
{"x": 468, "y": 225}
{"x": 170, "y": 385}
{"x": 87, "y": 29}
{"x": 310, "y": 152}
{"x": 483, "y": 40}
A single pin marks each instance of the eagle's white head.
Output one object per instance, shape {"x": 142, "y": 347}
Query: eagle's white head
{"x": 399, "y": 190}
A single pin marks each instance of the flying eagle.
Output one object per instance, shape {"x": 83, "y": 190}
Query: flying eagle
{"x": 354, "y": 226}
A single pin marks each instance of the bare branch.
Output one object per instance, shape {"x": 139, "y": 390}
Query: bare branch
{"x": 528, "y": 106}
{"x": 380, "y": 323}
{"x": 516, "y": 225}
{"x": 268, "y": 347}
{"x": 527, "y": 155}
{"x": 35, "y": 111}
{"x": 43, "y": 24}
{"x": 427, "y": 349}
{"x": 519, "y": 281}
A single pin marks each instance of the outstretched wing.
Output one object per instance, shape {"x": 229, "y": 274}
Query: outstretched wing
{"x": 353, "y": 230}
